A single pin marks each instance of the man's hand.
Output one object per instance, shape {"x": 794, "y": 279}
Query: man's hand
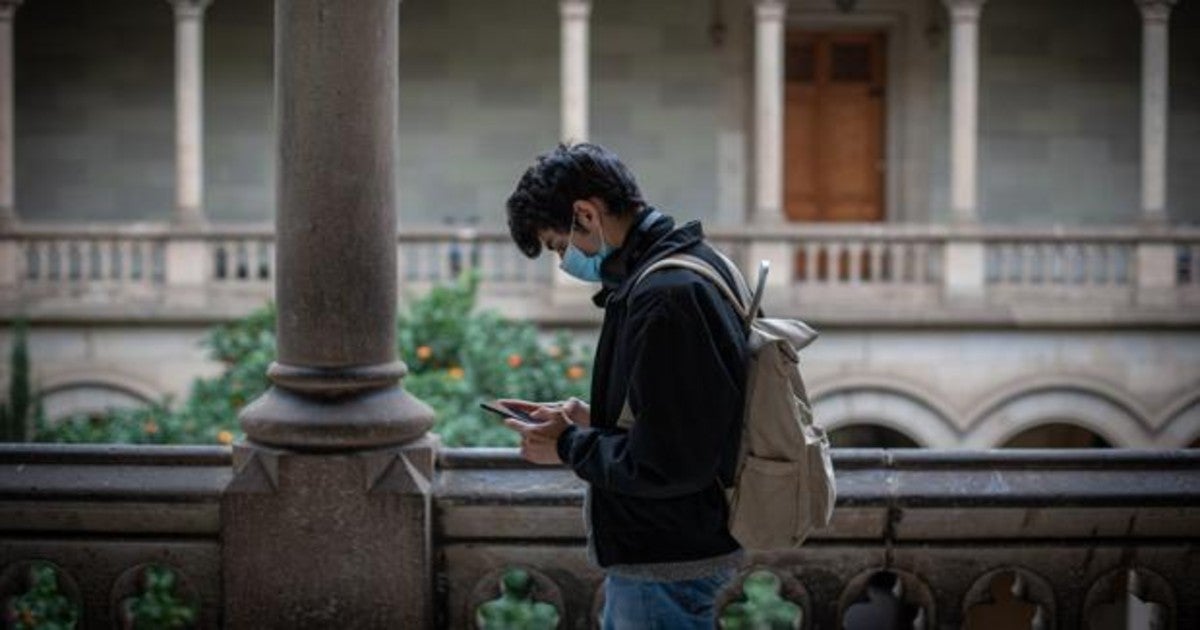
{"x": 577, "y": 411}
{"x": 539, "y": 442}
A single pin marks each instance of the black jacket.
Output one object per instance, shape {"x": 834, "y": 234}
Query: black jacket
{"x": 678, "y": 349}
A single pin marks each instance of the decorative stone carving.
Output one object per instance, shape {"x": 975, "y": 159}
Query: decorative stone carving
{"x": 1009, "y": 598}
{"x": 763, "y": 598}
{"x": 515, "y": 597}
{"x": 1129, "y": 599}
{"x": 1155, "y": 10}
{"x": 886, "y": 599}
{"x": 154, "y": 595}
{"x": 38, "y": 594}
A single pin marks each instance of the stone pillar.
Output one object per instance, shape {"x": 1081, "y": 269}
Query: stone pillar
{"x": 963, "y": 278}
{"x": 8, "y": 212}
{"x": 574, "y": 15}
{"x": 964, "y": 107}
{"x": 326, "y": 522}
{"x": 1155, "y": 86}
{"x": 189, "y": 111}
{"x": 768, "y": 209}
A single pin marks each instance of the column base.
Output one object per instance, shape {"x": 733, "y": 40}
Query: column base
{"x": 8, "y": 219}
{"x": 329, "y": 541}
{"x": 311, "y": 422}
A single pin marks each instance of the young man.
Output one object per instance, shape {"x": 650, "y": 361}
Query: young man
{"x": 661, "y": 435}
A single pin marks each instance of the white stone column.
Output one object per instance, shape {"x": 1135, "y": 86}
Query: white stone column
{"x": 1155, "y": 85}
{"x": 963, "y": 277}
{"x": 770, "y": 17}
{"x": 8, "y": 212}
{"x": 964, "y": 107}
{"x": 189, "y": 116}
{"x": 575, "y": 15}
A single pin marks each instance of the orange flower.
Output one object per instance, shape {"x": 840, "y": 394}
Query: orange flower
{"x": 514, "y": 361}
{"x": 456, "y": 373}
{"x": 224, "y": 437}
{"x": 150, "y": 428}
{"x": 424, "y": 352}
{"x": 575, "y": 372}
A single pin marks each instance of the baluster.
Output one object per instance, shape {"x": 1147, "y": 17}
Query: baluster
{"x": 881, "y": 262}
{"x": 921, "y": 273}
{"x": 245, "y": 261}
{"x": 854, "y": 271}
{"x": 1121, "y": 264}
{"x": 993, "y": 262}
{"x": 1100, "y": 264}
{"x": 1059, "y": 254}
{"x": 1018, "y": 262}
{"x": 809, "y": 271}
{"x": 1195, "y": 258}
{"x": 35, "y": 268}
{"x": 875, "y": 258}
{"x": 1081, "y": 253}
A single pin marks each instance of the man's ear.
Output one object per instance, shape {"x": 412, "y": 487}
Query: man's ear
{"x": 587, "y": 215}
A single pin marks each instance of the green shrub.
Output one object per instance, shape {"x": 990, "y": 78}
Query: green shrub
{"x": 457, "y": 357}
{"x": 43, "y": 606}
{"x": 15, "y": 412}
{"x": 158, "y": 606}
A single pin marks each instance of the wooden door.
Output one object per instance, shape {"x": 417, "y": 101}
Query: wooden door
{"x": 833, "y": 126}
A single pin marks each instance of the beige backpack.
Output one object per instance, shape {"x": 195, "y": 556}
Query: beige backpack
{"x": 783, "y": 487}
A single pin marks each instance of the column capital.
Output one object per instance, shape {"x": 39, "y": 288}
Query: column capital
{"x": 770, "y": 10}
{"x": 187, "y": 8}
{"x": 1155, "y": 10}
{"x": 8, "y": 8}
{"x": 964, "y": 10}
{"x": 575, "y": 9}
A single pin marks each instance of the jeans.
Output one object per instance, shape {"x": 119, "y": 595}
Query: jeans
{"x": 645, "y": 605}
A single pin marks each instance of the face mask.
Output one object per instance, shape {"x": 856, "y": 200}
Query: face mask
{"x": 580, "y": 265}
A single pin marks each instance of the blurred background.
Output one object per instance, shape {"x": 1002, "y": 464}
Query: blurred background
{"x": 987, "y": 209}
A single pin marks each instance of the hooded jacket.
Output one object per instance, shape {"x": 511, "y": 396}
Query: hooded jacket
{"x": 677, "y": 351}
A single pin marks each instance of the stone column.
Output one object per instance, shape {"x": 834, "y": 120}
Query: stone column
{"x": 964, "y": 107}
{"x": 189, "y": 107}
{"x": 964, "y": 258}
{"x": 8, "y": 212}
{"x": 574, "y": 15}
{"x": 1155, "y": 86}
{"x": 326, "y": 522}
{"x": 768, "y": 208}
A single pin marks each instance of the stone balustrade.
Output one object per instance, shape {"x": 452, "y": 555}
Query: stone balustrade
{"x": 838, "y": 273}
{"x": 1061, "y": 536}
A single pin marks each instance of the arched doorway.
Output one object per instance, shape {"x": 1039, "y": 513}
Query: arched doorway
{"x": 1056, "y": 435}
{"x": 869, "y": 436}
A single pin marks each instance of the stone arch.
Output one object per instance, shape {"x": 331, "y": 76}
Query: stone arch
{"x": 1179, "y": 424}
{"x": 66, "y": 393}
{"x": 886, "y": 403}
{"x": 1092, "y": 405}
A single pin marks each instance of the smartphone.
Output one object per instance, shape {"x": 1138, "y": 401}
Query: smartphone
{"x": 509, "y": 413}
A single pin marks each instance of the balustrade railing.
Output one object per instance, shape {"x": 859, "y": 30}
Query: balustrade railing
{"x": 1066, "y": 537}
{"x": 862, "y": 266}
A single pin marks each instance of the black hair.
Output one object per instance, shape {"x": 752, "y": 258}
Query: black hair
{"x": 546, "y": 193}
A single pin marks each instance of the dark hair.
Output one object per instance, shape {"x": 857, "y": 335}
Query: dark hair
{"x": 545, "y": 195}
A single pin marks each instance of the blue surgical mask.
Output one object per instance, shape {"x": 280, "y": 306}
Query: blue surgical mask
{"x": 579, "y": 264}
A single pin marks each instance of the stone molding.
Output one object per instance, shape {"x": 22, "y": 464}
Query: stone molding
{"x": 964, "y": 10}
{"x": 189, "y": 9}
{"x": 575, "y": 9}
{"x": 1155, "y": 10}
{"x": 770, "y": 10}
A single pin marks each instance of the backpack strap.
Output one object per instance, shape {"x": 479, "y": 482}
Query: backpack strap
{"x": 703, "y": 268}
